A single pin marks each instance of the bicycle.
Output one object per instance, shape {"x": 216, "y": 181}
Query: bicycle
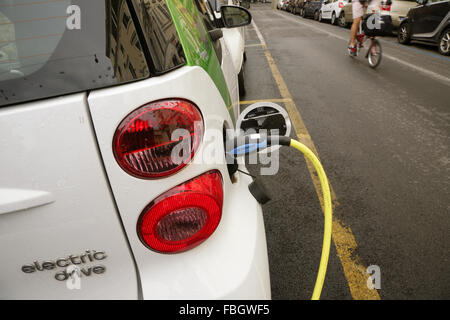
{"x": 375, "y": 53}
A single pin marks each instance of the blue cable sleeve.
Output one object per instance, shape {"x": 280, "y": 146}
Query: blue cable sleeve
{"x": 247, "y": 148}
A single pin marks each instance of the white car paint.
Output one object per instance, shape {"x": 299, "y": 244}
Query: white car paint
{"x": 55, "y": 151}
{"x": 233, "y": 48}
{"x": 51, "y": 149}
{"x": 230, "y": 75}
{"x": 331, "y": 7}
{"x": 233, "y": 45}
{"x": 232, "y": 264}
{"x": 62, "y": 192}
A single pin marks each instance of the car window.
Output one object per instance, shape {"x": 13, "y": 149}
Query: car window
{"x": 214, "y": 4}
{"x": 161, "y": 35}
{"x": 51, "y": 48}
{"x": 208, "y": 18}
{"x": 207, "y": 14}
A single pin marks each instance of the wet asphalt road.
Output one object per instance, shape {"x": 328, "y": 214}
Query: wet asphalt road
{"x": 383, "y": 138}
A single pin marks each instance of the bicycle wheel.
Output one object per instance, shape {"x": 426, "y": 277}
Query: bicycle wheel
{"x": 375, "y": 53}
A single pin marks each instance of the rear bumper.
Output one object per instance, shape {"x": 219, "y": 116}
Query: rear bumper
{"x": 254, "y": 279}
{"x": 232, "y": 264}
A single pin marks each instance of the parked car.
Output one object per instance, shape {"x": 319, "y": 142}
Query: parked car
{"x": 346, "y": 15}
{"x": 233, "y": 45}
{"x": 285, "y": 5}
{"x": 91, "y": 197}
{"x": 280, "y": 4}
{"x": 298, "y": 6}
{"x": 397, "y": 9}
{"x": 331, "y": 10}
{"x": 428, "y": 22}
{"x": 290, "y": 7}
{"x": 312, "y": 9}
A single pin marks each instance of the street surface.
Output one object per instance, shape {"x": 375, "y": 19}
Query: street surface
{"x": 383, "y": 138}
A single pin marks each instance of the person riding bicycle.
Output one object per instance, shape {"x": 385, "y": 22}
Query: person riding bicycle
{"x": 358, "y": 8}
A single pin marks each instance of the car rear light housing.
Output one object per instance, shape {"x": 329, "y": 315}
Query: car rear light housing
{"x": 386, "y": 7}
{"x": 341, "y": 5}
{"x": 159, "y": 138}
{"x": 183, "y": 217}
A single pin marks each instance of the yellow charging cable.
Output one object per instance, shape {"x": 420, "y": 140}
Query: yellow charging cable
{"x": 328, "y": 212}
{"x": 246, "y": 146}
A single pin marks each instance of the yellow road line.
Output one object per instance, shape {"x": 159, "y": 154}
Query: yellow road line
{"x": 263, "y": 100}
{"x": 343, "y": 237}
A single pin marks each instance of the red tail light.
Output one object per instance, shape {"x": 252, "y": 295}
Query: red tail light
{"x": 184, "y": 216}
{"x": 145, "y": 141}
{"x": 386, "y": 7}
{"x": 341, "y": 5}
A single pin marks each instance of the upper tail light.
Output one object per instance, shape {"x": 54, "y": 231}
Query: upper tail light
{"x": 184, "y": 216}
{"x": 386, "y": 7}
{"x": 341, "y": 5}
{"x": 159, "y": 138}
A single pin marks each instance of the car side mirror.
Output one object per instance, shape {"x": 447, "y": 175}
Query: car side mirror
{"x": 234, "y": 16}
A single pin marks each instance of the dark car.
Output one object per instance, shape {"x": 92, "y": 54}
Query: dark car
{"x": 297, "y": 6}
{"x": 311, "y": 8}
{"x": 290, "y": 6}
{"x": 428, "y": 22}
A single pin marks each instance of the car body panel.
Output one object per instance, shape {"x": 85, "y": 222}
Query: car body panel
{"x": 427, "y": 19}
{"x": 311, "y": 7}
{"x": 348, "y": 13}
{"x": 199, "y": 272}
{"x": 280, "y": 4}
{"x": 75, "y": 197}
{"x": 398, "y": 10}
{"x": 298, "y": 6}
{"x": 427, "y": 22}
{"x": 49, "y": 138}
{"x": 197, "y": 44}
{"x": 232, "y": 60}
{"x": 233, "y": 45}
{"x": 332, "y": 6}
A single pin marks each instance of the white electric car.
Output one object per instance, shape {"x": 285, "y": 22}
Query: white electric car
{"x": 95, "y": 99}
{"x": 234, "y": 43}
{"x": 331, "y": 10}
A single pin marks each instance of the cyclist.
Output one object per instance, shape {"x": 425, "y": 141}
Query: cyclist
{"x": 358, "y": 8}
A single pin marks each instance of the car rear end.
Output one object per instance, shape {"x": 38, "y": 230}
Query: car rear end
{"x": 339, "y": 6}
{"x": 95, "y": 98}
{"x": 397, "y": 9}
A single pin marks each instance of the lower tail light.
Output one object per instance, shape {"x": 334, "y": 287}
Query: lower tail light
{"x": 184, "y": 216}
{"x": 159, "y": 138}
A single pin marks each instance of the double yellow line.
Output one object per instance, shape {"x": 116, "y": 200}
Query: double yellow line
{"x": 343, "y": 237}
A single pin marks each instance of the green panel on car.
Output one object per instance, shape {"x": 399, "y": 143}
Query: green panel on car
{"x": 197, "y": 45}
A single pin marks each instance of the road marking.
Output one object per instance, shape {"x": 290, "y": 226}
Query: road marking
{"x": 253, "y": 45}
{"x": 409, "y": 48}
{"x": 264, "y": 100}
{"x": 429, "y": 73}
{"x": 343, "y": 237}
